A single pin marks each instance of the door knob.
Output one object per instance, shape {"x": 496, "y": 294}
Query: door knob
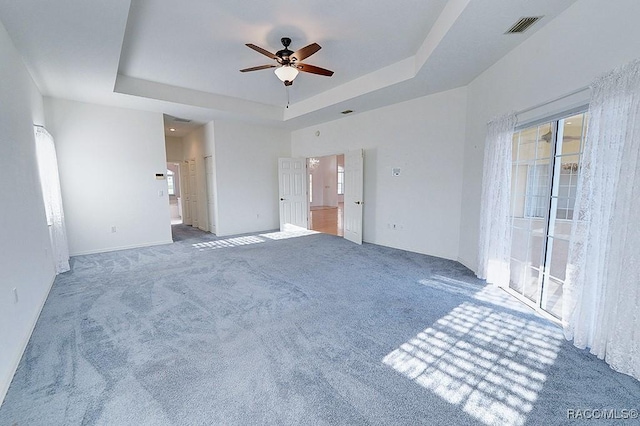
{"x": 281, "y": 199}
{"x": 357, "y": 202}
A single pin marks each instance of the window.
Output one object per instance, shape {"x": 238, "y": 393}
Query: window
{"x": 310, "y": 188}
{"x": 535, "y": 202}
{"x": 545, "y": 169}
{"x": 340, "y": 180}
{"x": 170, "y": 183}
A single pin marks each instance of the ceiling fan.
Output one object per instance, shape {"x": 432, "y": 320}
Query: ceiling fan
{"x": 288, "y": 62}
{"x": 547, "y": 137}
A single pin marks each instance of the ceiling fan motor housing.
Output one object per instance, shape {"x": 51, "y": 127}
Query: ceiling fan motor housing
{"x": 285, "y": 53}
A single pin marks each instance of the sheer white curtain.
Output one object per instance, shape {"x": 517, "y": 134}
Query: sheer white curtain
{"x": 50, "y": 181}
{"x": 495, "y": 220}
{"x": 601, "y": 301}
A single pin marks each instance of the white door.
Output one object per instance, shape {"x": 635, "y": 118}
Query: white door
{"x": 185, "y": 193}
{"x": 353, "y": 195}
{"x": 208, "y": 170}
{"x": 292, "y": 181}
{"x": 193, "y": 193}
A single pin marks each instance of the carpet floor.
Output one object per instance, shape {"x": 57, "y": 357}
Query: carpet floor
{"x": 288, "y": 329}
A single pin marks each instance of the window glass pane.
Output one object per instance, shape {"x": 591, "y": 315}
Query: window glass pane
{"x": 552, "y": 297}
{"x": 517, "y": 275}
{"x": 527, "y": 145}
{"x": 558, "y": 253}
{"x": 545, "y": 137}
{"x": 537, "y": 189}
{"x": 514, "y": 146}
{"x": 562, "y": 228}
{"x": 572, "y": 134}
{"x": 170, "y": 186}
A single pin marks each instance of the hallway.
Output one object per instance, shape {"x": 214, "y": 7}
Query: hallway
{"x": 328, "y": 220}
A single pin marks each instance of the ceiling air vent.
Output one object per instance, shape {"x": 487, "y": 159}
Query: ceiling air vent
{"x": 523, "y": 24}
{"x": 178, "y": 119}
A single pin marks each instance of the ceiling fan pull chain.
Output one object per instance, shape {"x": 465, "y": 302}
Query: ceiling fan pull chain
{"x": 286, "y": 88}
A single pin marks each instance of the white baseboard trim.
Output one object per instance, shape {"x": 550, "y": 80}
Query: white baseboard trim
{"x": 25, "y": 341}
{"x": 108, "y": 249}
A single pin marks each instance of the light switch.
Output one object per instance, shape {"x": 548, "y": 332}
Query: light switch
{"x": 160, "y": 193}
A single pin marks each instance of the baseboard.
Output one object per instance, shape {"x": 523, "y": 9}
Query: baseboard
{"x": 5, "y": 385}
{"x": 440, "y": 255}
{"x": 108, "y": 249}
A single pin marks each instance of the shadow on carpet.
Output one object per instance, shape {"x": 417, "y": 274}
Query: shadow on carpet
{"x": 284, "y": 328}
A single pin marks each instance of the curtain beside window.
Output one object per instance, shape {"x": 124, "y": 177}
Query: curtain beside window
{"x": 495, "y": 221}
{"x": 50, "y": 181}
{"x": 601, "y": 303}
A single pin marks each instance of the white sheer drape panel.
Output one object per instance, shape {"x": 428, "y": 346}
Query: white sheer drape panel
{"x": 50, "y": 181}
{"x": 601, "y": 302}
{"x": 495, "y": 221}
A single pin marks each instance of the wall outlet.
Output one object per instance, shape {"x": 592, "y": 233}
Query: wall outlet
{"x": 15, "y": 295}
{"x": 114, "y": 229}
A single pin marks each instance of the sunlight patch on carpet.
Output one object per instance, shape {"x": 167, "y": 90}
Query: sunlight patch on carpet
{"x": 486, "y": 293}
{"x": 293, "y": 232}
{"x": 227, "y": 243}
{"x": 490, "y": 363}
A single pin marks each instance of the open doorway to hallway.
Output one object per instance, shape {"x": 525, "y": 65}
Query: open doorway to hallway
{"x": 173, "y": 190}
{"x": 326, "y": 194}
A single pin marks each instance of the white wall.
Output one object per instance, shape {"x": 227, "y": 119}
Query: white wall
{"x": 174, "y": 149}
{"x": 247, "y": 176}
{"x": 425, "y": 138}
{"x": 108, "y": 158}
{"x": 324, "y": 183}
{"x": 329, "y": 167}
{"x": 25, "y": 261}
{"x": 196, "y": 146}
{"x": 591, "y": 37}
{"x": 317, "y": 185}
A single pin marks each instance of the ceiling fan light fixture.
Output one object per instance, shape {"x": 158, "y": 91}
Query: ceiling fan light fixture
{"x": 286, "y": 73}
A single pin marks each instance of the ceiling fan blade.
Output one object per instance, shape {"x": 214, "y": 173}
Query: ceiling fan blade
{"x": 313, "y": 69}
{"x": 261, "y": 50}
{"x": 260, "y": 67}
{"x": 305, "y": 52}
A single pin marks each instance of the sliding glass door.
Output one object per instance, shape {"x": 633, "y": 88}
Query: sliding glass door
{"x": 546, "y": 164}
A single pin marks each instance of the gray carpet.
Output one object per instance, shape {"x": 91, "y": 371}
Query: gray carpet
{"x": 295, "y": 329}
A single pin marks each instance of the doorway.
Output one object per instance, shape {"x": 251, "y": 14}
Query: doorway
{"x": 545, "y": 170}
{"x": 173, "y": 190}
{"x": 326, "y": 194}
{"x": 296, "y": 193}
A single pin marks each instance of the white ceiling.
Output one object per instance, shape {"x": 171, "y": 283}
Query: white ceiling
{"x": 182, "y": 57}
